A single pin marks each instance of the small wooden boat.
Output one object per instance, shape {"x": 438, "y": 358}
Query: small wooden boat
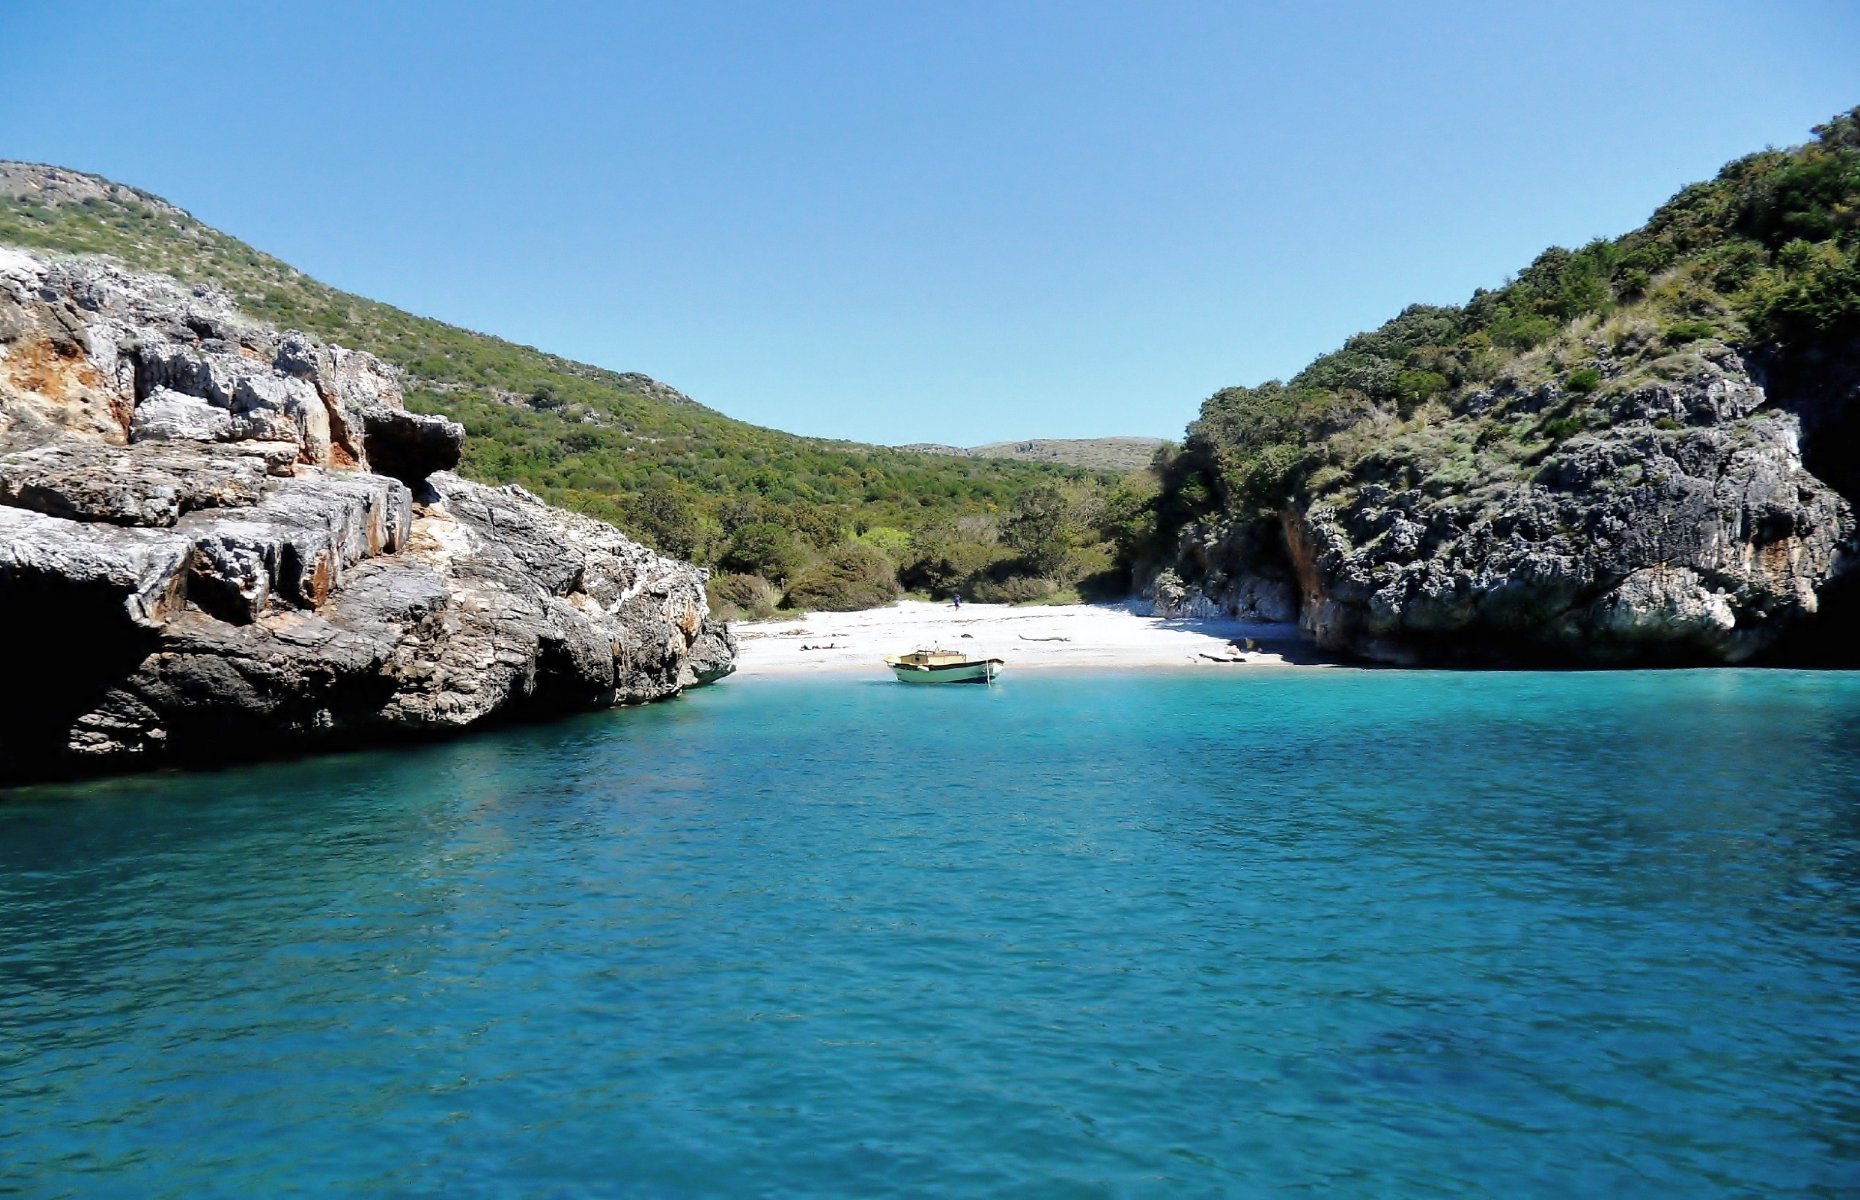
{"x": 942, "y": 666}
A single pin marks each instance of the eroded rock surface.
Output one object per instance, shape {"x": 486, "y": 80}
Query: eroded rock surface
{"x": 1688, "y": 529}
{"x": 220, "y": 541}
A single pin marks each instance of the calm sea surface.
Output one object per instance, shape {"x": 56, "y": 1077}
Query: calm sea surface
{"x": 1320, "y": 933}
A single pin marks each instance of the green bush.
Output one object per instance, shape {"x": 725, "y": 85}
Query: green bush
{"x": 1820, "y": 301}
{"x": 1015, "y": 589}
{"x": 851, "y": 577}
{"x": 942, "y": 560}
{"x": 1583, "y": 381}
{"x": 1686, "y": 332}
{"x": 1095, "y": 572}
{"x": 1264, "y": 481}
{"x": 1562, "y": 284}
{"x": 1795, "y": 255}
{"x": 1039, "y": 530}
{"x": 1689, "y": 331}
{"x": 1809, "y": 197}
{"x": 1519, "y": 332}
{"x": 664, "y": 514}
{"x": 1413, "y": 387}
{"x": 763, "y": 548}
{"x": 741, "y": 597}
{"x": 1736, "y": 264}
{"x": 894, "y": 544}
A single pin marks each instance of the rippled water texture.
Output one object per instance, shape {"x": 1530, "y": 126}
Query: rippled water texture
{"x": 1326, "y": 933}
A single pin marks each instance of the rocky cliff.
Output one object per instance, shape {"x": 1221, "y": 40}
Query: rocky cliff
{"x": 1640, "y": 450}
{"x": 221, "y": 540}
{"x": 1684, "y": 527}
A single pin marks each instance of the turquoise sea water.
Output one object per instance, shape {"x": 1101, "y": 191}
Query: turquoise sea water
{"x": 1322, "y": 933}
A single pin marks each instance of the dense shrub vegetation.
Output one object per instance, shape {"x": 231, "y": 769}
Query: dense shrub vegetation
{"x": 852, "y": 575}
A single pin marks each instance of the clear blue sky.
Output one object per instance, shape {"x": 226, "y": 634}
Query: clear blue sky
{"x": 932, "y": 222}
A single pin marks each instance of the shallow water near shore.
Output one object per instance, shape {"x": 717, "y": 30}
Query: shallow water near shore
{"x": 1332, "y": 933}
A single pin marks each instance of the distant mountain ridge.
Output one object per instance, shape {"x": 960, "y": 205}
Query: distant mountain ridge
{"x": 1101, "y": 454}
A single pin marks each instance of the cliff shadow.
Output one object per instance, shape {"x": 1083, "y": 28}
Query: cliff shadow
{"x": 1820, "y": 384}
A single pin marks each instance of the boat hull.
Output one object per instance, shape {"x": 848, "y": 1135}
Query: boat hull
{"x": 969, "y": 672}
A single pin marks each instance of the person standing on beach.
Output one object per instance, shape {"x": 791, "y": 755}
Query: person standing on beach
{"x": 957, "y": 598}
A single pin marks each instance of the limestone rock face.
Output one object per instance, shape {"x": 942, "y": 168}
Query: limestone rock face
{"x": 167, "y": 415}
{"x": 1240, "y": 573}
{"x": 220, "y": 541}
{"x": 363, "y": 399}
{"x": 1687, "y": 530}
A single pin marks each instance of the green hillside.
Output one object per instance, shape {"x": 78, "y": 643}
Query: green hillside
{"x": 622, "y": 447}
{"x": 1104, "y": 454}
{"x": 1763, "y": 260}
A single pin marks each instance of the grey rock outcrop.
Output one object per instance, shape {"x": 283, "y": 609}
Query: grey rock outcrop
{"x": 1684, "y": 529}
{"x": 363, "y": 399}
{"x": 220, "y": 541}
{"x": 1239, "y": 571}
{"x": 167, "y": 415}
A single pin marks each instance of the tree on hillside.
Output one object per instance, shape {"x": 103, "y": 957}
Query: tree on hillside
{"x": 766, "y": 549}
{"x": 663, "y": 513}
{"x": 852, "y": 576}
{"x": 943, "y": 558}
{"x": 1038, "y": 529}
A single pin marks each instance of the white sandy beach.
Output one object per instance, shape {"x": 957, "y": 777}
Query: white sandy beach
{"x": 1028, "y": 638}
